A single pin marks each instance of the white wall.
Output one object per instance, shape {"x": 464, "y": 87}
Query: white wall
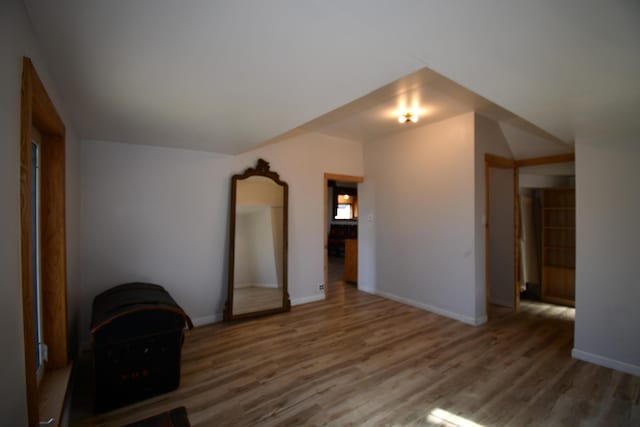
{"x": 607, "y": 237}
{"x": 259, "y": 233}
{"x": 419, "y": 188}
{"x": 16, "y": 41}
{"x": 255, "y": 248}
{"x": 157, "y": 215}
{"x": 161, "y": 215}
{"x": 302, "y": 162}
{"x": 259, "y": 190}
{"x": 367, "y": 233}
{"x": 489, "y": 138}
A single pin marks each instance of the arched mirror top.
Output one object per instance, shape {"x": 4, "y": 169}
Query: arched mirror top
{"x": 257, "y": 244}
{"x": 262, "y": 169}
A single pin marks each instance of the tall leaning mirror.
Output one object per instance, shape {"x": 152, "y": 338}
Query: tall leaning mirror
{"x": 257, "y": 244}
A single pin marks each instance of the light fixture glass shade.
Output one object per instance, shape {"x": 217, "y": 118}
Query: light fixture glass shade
{"x": 408, "y": 117}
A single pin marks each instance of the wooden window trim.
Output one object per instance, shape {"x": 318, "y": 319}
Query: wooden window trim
{"x": 38, "y": 111}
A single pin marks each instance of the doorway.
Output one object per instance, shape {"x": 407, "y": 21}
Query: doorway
{"x": 548, "y": 216}
{"x": 341, "y": 230}
{"x": 510, "y": 224}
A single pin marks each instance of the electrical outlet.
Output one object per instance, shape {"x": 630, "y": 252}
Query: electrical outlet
{"x": 321, "y": 286}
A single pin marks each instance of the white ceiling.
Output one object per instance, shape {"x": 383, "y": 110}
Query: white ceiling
{"x": 433, "y": 98}
{"x": 225, "y": 76}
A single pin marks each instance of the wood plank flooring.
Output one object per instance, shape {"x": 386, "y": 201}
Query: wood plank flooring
{"x": 361, "y": 360}
{"x": 253, "y": 298}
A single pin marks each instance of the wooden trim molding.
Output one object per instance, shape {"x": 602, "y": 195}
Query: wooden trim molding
{"x": 26, "y": 115}
{"x": 499, "y": 162}
{"x": 38, "y": 111}
{"x": 345, "y": 178}
{"x": 537, "y": 161}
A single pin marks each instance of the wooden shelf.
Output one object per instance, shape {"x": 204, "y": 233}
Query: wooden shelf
{"x": 558, "y": 243}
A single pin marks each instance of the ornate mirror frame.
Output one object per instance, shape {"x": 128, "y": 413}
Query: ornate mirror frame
{"x": 262, "y": 169}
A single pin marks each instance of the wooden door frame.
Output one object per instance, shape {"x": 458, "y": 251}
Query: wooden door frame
{"x": 332, "y": 177}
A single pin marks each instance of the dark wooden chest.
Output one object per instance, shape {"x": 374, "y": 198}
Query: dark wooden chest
{"x": 137, "y": 332}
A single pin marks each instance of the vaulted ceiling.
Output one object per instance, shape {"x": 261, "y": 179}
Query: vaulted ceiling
{"x": 225, "y": 76}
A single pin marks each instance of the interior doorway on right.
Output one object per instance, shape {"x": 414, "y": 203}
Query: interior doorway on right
{"x": 342, "y": 228}
{"x": 547, "y": 233}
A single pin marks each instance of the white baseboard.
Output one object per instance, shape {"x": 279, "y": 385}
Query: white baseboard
{"x": 480, "y": 320}
{"x": 433, "y": 309}
{"x": 368, "y": 290}
{"x": 207, "y": 320}
{"x": 606, "y": 362}
{"x": 305, "y": 300}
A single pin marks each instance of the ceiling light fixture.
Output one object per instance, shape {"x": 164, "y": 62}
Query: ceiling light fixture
{"x": 408, "y": 117}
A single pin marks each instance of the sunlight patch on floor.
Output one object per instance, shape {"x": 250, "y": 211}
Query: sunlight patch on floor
{"x": 444, "y": 418}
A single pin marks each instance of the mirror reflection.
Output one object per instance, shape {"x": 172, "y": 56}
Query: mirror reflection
{"x": 258, "y": 245}
{"x": 257, "y": 271}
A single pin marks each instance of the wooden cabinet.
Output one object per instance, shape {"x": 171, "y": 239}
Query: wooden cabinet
{"x": 350, "y": 260}
{"x": 559, "y": 245}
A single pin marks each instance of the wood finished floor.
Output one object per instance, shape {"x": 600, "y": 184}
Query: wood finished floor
{"x": 361, "y": 360}
{"x": 253, "y": 298}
